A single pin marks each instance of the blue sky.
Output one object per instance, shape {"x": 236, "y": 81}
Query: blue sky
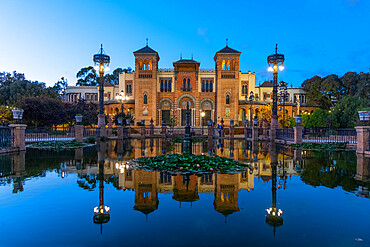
{"x": 50, "y": 39}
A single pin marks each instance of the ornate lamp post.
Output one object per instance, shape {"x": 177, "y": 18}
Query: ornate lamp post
{"x": 283, "y": 96}
{"x": 122, "y": 98}
{"x": 202, "y": 114}
{"x": 276, "y": 63}
{"x": 101, "y": 64}
{"x": 251, "y": 99}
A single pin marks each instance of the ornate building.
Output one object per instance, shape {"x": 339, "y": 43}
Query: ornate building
{"x": 163, "y": 94}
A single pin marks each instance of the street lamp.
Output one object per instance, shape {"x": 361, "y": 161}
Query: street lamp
{"x": 283, "y": 96}
{"x": 276, "y": 63}
{"x": 122, "y": 98}
{"x": 101, "y": 64}
{"x": 251, "y": 99}
{"x": 202, "y": 114}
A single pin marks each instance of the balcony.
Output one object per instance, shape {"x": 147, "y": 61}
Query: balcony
{"x": 145, "y": 74}
{"x": 186, "y": 90}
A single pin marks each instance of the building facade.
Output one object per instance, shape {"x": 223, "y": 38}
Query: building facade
{"x": 162, "y": 95}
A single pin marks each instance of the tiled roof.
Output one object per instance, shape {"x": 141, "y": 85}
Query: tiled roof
{"x": 267, "y": 84}
{"x": 186, "y": 61}
{"x": 146, "y": 49}
{"x": 228, "y": 50}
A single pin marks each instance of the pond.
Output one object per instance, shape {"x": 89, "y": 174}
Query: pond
{"x": 91, "y": 197}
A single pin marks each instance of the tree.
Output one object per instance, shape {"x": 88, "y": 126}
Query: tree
{"x": 61, "y": 86}
{"x": 87, "y": 77}
{"x": 12, "y": 91}
{"x": 42, "y": 111}
{"x": 345, "y": 112}
{"x": 318, "y": 119}
{"x": 114, "y": 77}
{"x": 6, "y": 115}
{"x": 89, "y": 111}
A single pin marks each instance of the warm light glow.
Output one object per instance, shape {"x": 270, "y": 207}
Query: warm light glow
{"x": 116, "y": 165}
{"x": 107, "y": 68}
{"x": 270, "y": 69}
{"x": 281, "y": 67}
{"x": 202, "y": 113}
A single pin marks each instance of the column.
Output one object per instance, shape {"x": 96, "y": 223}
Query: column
{"x": 362, "y": 139}
{"x": 298, "y": 133}
{"x": 19, "y": 134}
{"x": 79, "y": 133}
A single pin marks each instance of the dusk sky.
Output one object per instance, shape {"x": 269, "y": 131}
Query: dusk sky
{"x": 48, "y": 40}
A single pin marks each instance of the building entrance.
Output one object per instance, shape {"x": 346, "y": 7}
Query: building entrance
{"x": 166, "y": 116}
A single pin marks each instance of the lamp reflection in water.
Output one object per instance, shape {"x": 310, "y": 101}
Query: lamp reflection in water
{"x": 274, "y": 215}
{"x": 101, "y": 212}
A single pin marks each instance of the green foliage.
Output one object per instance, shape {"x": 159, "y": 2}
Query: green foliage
{"x": 87, "y": 77}
{"x": 88, "y": 110}
{"x": 6, "y": 115}
{"x": 42, "y": 111}
{"x": 345, "y": 112}
{"x": 61, "y": 86}
{"x": 326, "y": 91}
{"x": 124, "y": 117}
{"x": 318, "y": 119}
{"x": 58, "y": 145}
{"x": 91, "y": 140}
{"x": 319, "y": 146}
{"x": 174, "y": 163}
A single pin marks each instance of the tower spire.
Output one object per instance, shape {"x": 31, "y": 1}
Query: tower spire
{"x": 147, "y": 42}
{"x": 227, "y": 42}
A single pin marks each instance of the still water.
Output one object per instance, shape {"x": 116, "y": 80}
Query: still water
{"x": 49, "y": 199}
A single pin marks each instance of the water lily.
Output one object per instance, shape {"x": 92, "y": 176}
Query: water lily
{"x": 198, "y": 165}
{"x": 180, "y": 168}
{"x": 211, "y": 169}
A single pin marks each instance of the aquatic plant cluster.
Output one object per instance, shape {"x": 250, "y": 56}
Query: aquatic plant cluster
{"x": 183, "y": 164}
{"x": 59, "y": 145}
{"x": 320, "y": 146}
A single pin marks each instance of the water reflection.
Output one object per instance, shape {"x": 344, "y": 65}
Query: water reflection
{"x": 274, "y": 166}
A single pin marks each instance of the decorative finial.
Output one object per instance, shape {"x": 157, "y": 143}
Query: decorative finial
{"x": 147, "y": 42}
{"x": 192, "y": 56}
{"x": 276, "y": 48}
{"x": 180, "y": 56}
{"x": 227, "y": 42}
{"x": 101, "y": 48}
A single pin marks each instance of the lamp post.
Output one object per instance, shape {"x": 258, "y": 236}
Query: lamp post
{"x": 251, "y": 99}
{"x": 283, "y": 95}
{"x": 122, "y": 98}
{"x": 276, "y": 63}
{"x": 202, "y": 114}
{"x": 101, "y": 64}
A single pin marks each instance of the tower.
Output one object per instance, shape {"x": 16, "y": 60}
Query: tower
{"x": 227, "y": 84}
{"x": 145, "y": 86}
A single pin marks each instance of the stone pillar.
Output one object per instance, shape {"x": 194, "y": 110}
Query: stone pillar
{"x": 362, "y": 139}
{"x": 274, "y": 126}
{"x": 231, "y": 129}
{"x": 210, "y": 131}
{"x": 254, "y": 133}
{"x": 19, "y": 134}
{"x": 79, "y": 133}
{"x": 298, "y": 133}
{"x": 245, "y": 132}
{"x": 101, "y": 125}
{"x": 120, "y": 132}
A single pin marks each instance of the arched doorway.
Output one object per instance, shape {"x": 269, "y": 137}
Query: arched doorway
{"x": 165, "y": 109}
{"x": 206, "y": 106}
{"x": 183, "y": 106}
{"x": 244, "y": 115}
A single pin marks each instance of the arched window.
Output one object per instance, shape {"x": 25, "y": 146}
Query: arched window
{"x": 169, "y": 86}
{"x": 207, "y": 86}
{"x": 189, "y": 84}
{"x": 184, "y": 84}
{"x": 211, "y": 86}
{"x": 223, "y": 65}
{"x": 145, "y": 99}
{"x": 161, "y": 85}
{"x": 227, "y": 99}
{"x": 165, "y": 85}
{"x": 203, "y": 86}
